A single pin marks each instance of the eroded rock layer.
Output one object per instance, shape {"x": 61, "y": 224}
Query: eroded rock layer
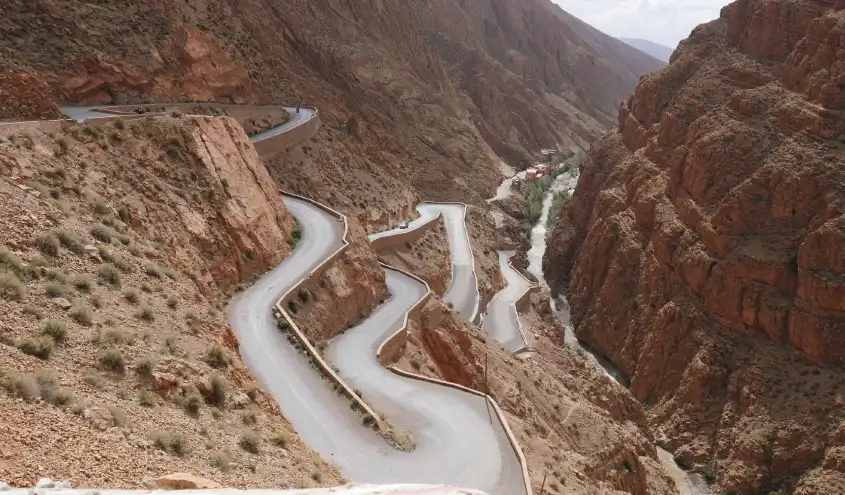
{"x": 703, "y": 249}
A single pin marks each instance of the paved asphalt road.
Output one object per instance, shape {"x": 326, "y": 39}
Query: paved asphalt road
{"x": 463, "y": 289}
{"x": 501, "y": 320}
{"x": 459, "y": 440}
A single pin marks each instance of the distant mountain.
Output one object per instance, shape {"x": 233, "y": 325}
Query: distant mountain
{"x": 656, "y": 50}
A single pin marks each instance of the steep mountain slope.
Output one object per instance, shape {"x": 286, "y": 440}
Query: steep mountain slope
{"x": 702, "y": 251}
{"x": 437, "y": 88}
{"x": 656, "y": 50}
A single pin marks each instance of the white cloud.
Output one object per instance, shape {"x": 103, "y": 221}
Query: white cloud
{"x": 662, "y": 21}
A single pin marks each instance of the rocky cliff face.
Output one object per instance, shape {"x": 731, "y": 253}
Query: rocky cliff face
{"x": 702, "y": 251}
{"x": 577, "y": 428}
{"x": 427, "y": 93}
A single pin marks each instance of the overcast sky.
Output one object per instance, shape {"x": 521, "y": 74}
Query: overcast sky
{"x": 663, "y": 21}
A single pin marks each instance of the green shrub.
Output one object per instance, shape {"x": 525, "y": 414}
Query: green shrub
{"x": 146, "y": 313}
{"x": 55, "y": 329}
{"x": 48, "y": 244}
{"x": 82, "y": 315}
{"x": 221, "y": 460}
{"x": 217, "y": 357}
{"x": 83, "y": 283}
{"x": 153, "y": 270}
{"x": 93, "y": 378}
{"x": 34, "y": 311}
{"x": 56, "y": 289}
{"x": 112, "y": 337}
{"x": 146, "y": 398}
{"x": 170, "y": 441}
{"x": 124, "y": 239}
{"x": 19, "y": 385}
{"x": 11, "y": 287}
{"x": 219, "y": 390}
{"x": 192, "y": 403}
{"x": 170, "y": 273}
{"x": 249, "y": 418}
{"x": 250, "y": 441}
{"x": 145, "y": 366}
{"x": 131, "y": 295}
{"x": 40, "y": 347}
{"x": 112, "y": 360}
{"x": 281, "y": 439}
{"x": 102, "y": 233}
{"x": 71, "y": 242}
{"x": 109, "y": 274}
{"x": 56, "y": 275}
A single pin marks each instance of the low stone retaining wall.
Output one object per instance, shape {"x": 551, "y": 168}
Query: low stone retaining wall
{"x": 274, "y": 145}
{"x": 394, "y": 346}
{"x": 400, "y": 238}
{"x": 281, "y": 314}
{"x": 499, "y": 415}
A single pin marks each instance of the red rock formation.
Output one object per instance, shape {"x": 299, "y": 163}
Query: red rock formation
{"x": 25, "y": 96}
{"x": 702, "y": 251}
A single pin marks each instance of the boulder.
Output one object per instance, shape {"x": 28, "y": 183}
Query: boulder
{"x": 185, "y": 481}
{"x": 62, "y": 303}
{"x": 165, "y": 381}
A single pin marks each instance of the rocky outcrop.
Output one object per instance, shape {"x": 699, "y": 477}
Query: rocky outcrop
{"x": 344, "y": 294}
{"x": 25, "y": 96}
{"x": 701, "y": 252}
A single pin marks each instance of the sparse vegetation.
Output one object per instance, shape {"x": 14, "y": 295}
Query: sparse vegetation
{"x": 11, "y": 287}
{"x": 153, "y": 270}
{"x": 93, "y": 378}
{"x": 131, "y": 295}
{"x": 34, "y": 311}
{"x": 219, "y": 391}
{"x": 146, "y": 398}
{"x": 146, "y": 313}
{"x": 112, "y": 360}
{"x": 172, "y": 302}
{"x": 112, "y": 337}
{"x": 109, "y": 274}
{"x": 192, "y": 403}
{"x": 217, "y": 357}
{"x": 83, "y": 283}
{"x": 71, "y": 242}
{"x": 19, "y": 385}
{"x": 170, "y": 441}
{"x": 40, "y": 347}
{"x": 82, "y": 315}
{"x": 56, "y": 289}
{"x": 249, "y": 418}
{"x": 221, "y": 460}
{"x": 54, "y": 329}
{"x": 145, "y": 366}
{"x": 250, "y": 441}
{"x": 48, "y": 244}
{"x": 281, "y": 439}
{"x": 102, "y": 233}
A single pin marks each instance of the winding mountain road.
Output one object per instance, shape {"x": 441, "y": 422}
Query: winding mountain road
{"x": 460, "y": 441}
{"x": 463, "y": 289}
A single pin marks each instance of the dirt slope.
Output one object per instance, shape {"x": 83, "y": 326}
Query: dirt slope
{"x": 702, "y": 251}
{"x": 119, "y": 246}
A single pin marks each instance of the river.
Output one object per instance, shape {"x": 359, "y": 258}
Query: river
{"x": 567, "y": 182}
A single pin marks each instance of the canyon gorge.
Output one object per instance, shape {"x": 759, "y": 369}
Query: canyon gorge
{"x": 700, "y": 255}
{"x": 702, "y": 249}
